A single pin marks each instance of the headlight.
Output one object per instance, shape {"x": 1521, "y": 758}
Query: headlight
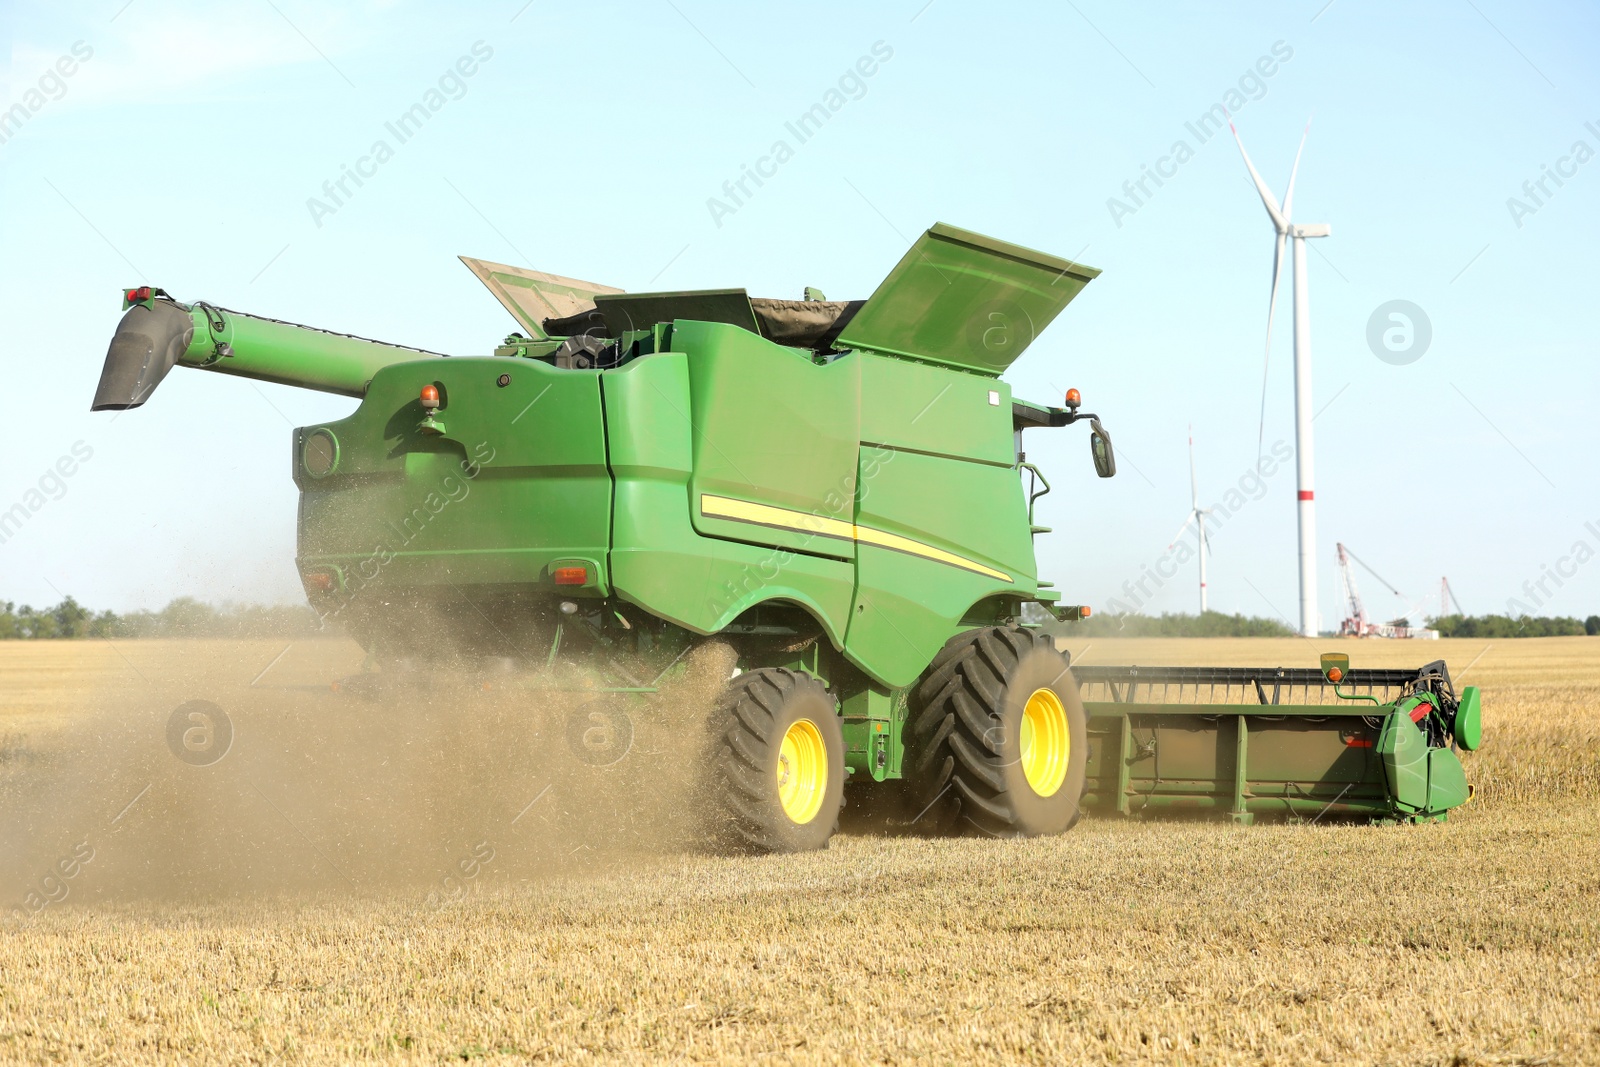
{"x": 321, "y": 454}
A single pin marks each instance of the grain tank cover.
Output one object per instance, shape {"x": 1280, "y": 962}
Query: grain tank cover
{"x": 966, "y": 301}
{"x": 533, "y": 296}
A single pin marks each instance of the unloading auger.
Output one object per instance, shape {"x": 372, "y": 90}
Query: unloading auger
{"x": 157, "y": 333}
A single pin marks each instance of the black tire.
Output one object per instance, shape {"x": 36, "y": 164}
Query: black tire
{"x": 756, "y": 712}
{"x": 964, "y": 737}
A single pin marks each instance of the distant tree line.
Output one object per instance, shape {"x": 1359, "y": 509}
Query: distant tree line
{"x": 1514, "y": 626}
{"x": 188, "y": 617}
{"x": 183, "y": 617}
{"x": 1207, "y": 624}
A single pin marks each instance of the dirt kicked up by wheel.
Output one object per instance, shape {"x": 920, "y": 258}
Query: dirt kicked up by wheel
{"x": 779, "y": 761}
{"x": 996, "y": 741}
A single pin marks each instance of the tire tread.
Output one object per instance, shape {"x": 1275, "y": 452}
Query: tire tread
{"x": 751, "y": 709}
{"x": 955, "y": 738}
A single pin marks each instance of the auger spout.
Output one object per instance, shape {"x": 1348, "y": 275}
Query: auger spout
{"x": 157, "y": 333}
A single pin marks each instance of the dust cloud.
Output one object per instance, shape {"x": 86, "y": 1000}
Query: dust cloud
{"x": 205, "y": 769}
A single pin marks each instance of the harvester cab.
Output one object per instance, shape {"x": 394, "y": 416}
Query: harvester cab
{"x": 835, "y": 489}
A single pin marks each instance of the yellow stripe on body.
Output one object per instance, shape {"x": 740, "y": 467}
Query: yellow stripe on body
{"x": 722, "y": 507}
{"x": 883, "y": 539}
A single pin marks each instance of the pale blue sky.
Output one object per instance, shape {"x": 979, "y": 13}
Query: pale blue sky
{"x": 182, "y": 153}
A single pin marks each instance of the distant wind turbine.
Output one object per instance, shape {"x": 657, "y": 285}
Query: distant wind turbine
{"x": 1282, "y": 222}
{"x": 1197, "y": 519}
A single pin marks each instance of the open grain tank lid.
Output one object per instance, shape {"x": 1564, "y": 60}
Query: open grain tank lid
{"x": 965, "y": 300}
{"x": 533, "y": 296}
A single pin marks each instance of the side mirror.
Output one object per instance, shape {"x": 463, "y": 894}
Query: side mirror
{"x": 1335, "y": 666}
{"x": 1105, "y": 461}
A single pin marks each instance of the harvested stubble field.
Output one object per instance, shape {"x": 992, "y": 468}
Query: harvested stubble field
{"x": 308, "y": 899}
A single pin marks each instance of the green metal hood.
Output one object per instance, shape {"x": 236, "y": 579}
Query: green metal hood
{"x": 966, "y": 301}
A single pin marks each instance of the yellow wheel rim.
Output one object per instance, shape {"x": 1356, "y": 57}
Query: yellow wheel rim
{"x": 802, "y": 771}
{"x": 1046, "y": 742}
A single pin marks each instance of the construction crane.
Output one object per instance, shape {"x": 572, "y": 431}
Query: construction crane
{"x": 1355, "y": 623}
{"x": 1447, "y": 597}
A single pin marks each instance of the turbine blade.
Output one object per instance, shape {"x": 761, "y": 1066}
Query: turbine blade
{"x": 1267, "y": 198}
{"x": 1194, "y": 485}
{"x": 1186, "y": 524}
{"x": 1288, "y": 196}
{"x": 1266, "y": 358}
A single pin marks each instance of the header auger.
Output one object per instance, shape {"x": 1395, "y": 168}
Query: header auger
{"x": 835, "y": 489}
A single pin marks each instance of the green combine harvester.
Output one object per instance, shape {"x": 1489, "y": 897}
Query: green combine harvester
{"x": 838, "y": 490}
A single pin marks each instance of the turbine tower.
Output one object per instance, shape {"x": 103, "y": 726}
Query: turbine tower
{"x": 1283, "y": 223}
{"x": 1197, "y": 518}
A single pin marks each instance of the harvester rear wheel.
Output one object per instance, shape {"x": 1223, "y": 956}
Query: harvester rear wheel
{"x": 780, "y": 761}
{"x": 995, "y": 743}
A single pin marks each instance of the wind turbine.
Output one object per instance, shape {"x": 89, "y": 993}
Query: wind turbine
{"x": 1283, "y": 223}
{"x": 1197, "y": 518}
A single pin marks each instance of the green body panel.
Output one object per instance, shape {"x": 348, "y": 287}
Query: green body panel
{"x": 1447, "y": 780}
{"x": 1240, "y": 759}
{"x": 290, "y": 355}
{"x": 518, "y": 481}
{"x": 907, "y": 606}
{"x": 1404, "y": 754}
{"x": 921, "y": 408}
{"x": 659, "y": 561}
{"x": 1422, "y": 778}
{"x": 735, "y": 419}
{"x": 771, "y": 427}
{"x": 965, "y": 300}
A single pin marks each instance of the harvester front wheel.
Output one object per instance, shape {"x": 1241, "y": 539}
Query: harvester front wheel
{"x": 780, "y": 761}
{"x": 996, "y": 740}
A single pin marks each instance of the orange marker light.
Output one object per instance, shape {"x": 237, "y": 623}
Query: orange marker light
{"x": 1087, "y": 611}
{"x": 1335, "y": 675}
{"x": 430, "y": 396}
{"x": 571, "y": 575}
{"x": 1073, "y": 398}
{"x": 321, "y": 581}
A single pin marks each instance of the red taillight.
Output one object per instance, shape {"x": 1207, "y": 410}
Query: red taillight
{"x": 571, "y": 575}
{"x": 139, "y": 295}
{"x": 430, "y": 396}
{"x": 321, "y": 581}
